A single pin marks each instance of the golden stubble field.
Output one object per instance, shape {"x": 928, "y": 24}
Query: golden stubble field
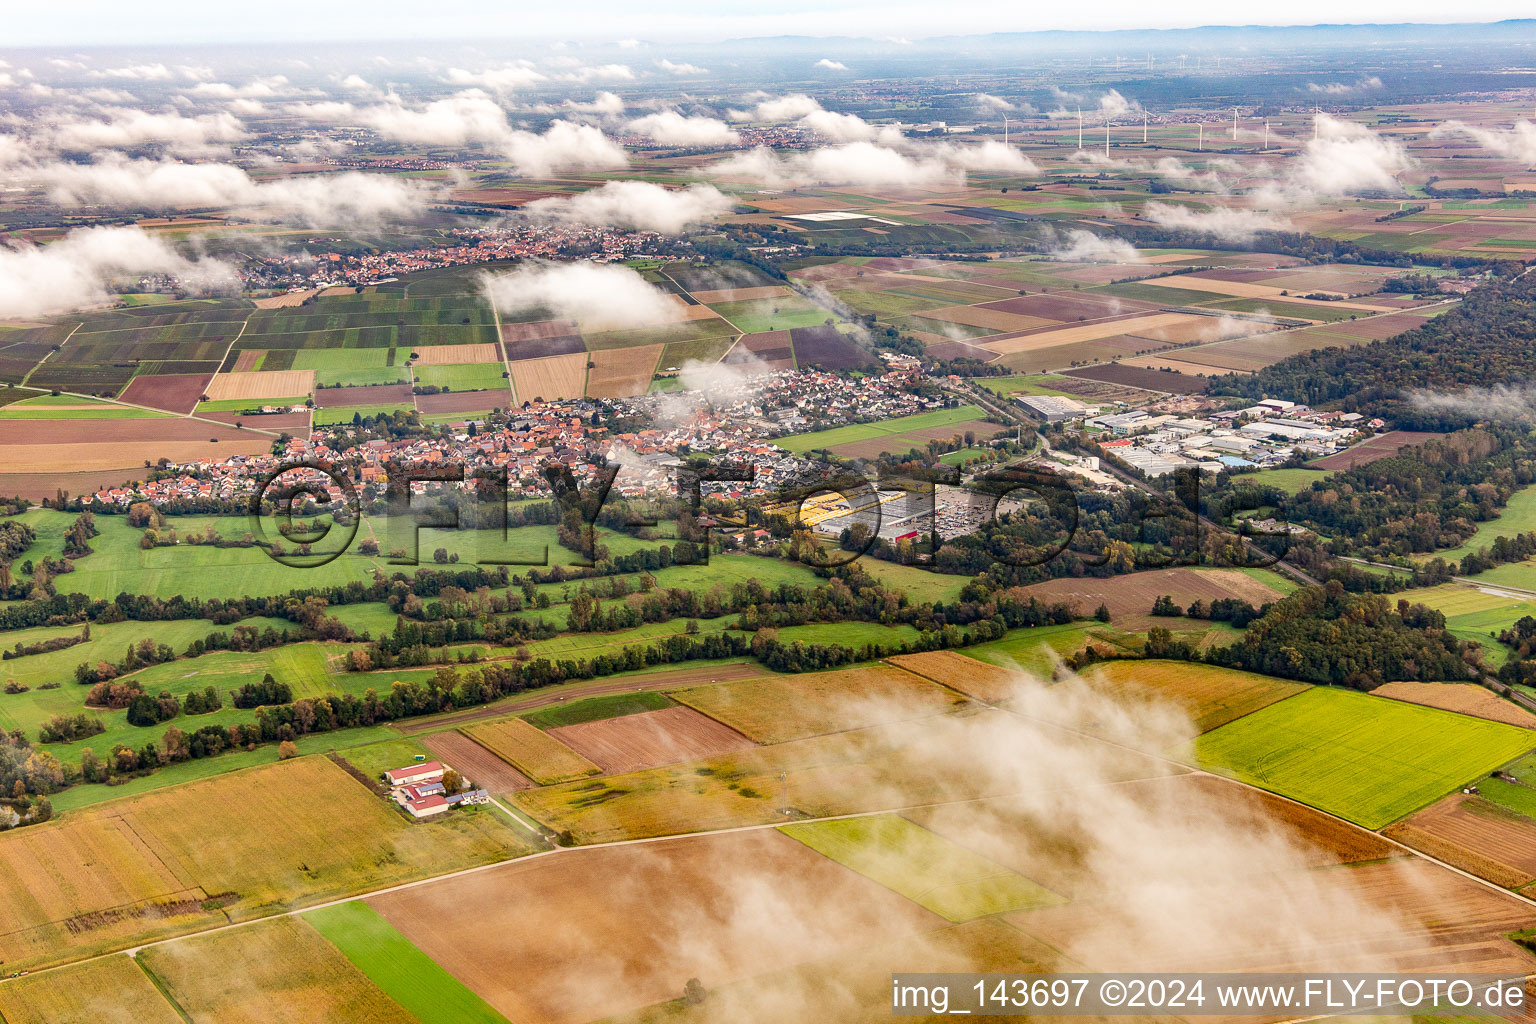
{"x": 237, "y": 846}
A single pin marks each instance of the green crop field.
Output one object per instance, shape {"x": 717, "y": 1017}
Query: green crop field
{"x": 1029, "y": 384}
{"x": 1038, "y": 649}
{"x": 883, "y": 428}
{"x": 346, "y": 413}
{"x": 1520, "y": 799}
{"x": 917, "y": 583}
{"x": 595, "y": 709}
{"x": 463, "y": 376}
{"x": 1369, "y": 760}
{"x": 360, "y": 378}
{"x": 1290, "y": 481}
{"x": 340, "y": 359}
{"x": 752, "y": 316}
{"x": 392, "y": 962}
{"x": 928, "y": 869}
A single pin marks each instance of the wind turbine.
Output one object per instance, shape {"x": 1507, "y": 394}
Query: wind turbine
{"x": 1143, "y": 127}
{"x": 1316, "y": 112}
{"x": 1234, "y": 124}
{"x": 1266, "y": 136}
{"x": 1079, "y": 128}
{"x": 1106, "y": 138}
{"x": 1005, "y": 129}
{"x": 1200, "y": 146}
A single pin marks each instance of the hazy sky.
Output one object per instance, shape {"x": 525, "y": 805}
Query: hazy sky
{"x": 115, "y": 22}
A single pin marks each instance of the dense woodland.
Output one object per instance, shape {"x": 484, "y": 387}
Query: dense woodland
{"x": 1486, "y": 340}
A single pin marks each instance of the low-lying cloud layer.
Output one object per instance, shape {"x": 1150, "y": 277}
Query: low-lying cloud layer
{"x": 350, "y": 199}
{"x": 636, "y": 205}
{"x": 597, "y": 296}
{"x": 80, "y": 269}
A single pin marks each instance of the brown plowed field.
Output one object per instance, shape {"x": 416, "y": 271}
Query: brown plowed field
{"x": 1376, "y": 327}
{"x": 550, "y": 378}
{"x": 643, "y": 920}
{"x": 246, "y": 359}
{"x": 1148, "y": 380}
{"x": 1475, "y": 835}
{"x": 1133, "y": 594}
{"x": 740, "y": 294}
{"x": 1069, "y": 334}
{"x": 475, "y": 763}
{"x": 773, "y": 709}
{"x": 377, "y": 394}
{"x": 538, "y": 348}
{"x": 828, "y": 348}
{"x": 532, "y": 751}
{"x": 177, "y": 392}
{"x": 650, "y": 739}
{"x": 1465, "y": 698}
{"x": 448, "y": 355}
{"x": 621, "y": 372}
{"x": 1379, "y": 447}
{"x": 261, "y": 385}
{"x": 1450, "y": 923}
{"x": 991, "y": 319}
{"x": 1062, "y": 307}
{"x": 537, "y": 329}
{"x": 464, "y": 401}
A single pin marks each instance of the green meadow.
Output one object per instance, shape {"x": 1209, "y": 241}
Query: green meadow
{"x": 1364, "y": 758}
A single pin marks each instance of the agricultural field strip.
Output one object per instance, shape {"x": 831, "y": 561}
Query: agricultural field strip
{"x": 1288, "y": 330}
{"x": 50, "y": 352}
{"x": 165, "y": 413}
{"x": 462, "y": 872}
{"x": 695, "y": 298}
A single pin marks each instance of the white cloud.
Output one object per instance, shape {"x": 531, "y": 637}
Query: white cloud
{"x": 320, "y": 200}
{"x": 602, "y": 72}
{"x": 1518, "y": 143}
{"x": 1112, "y": 104}
{"x": 565, "y": 145}
{"x": 670, "y": 128}
{"x": 80, "y": 269}
{"x": 846, "y": 127}
{"x": 465, "y": 118}
{"x": 637, "y": 206}
{"x": 827, "y": 64}
{"x": 1086, "y": 247}
{"x": 268, "y": 87}
{"x": 985, "y": 156}
{"x": 604, "y": 103}
{"x": 129, "y": 128}
{"x": 1347, "y": 157}
{"x": 1236, "y": 225}
{"x": 137, "y": 72}
{"x": 857, "y": 163}
{"x": 1368, "y": 84}
{"x": 597, "y": 296}
{"x": 786, "y": 108}
{"x": 681, "y": 69}
{"x": 499, "y": 80}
